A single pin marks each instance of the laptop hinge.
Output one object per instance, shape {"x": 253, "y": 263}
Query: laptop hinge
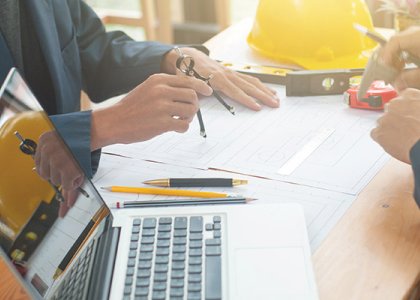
{"x": 103, "y": 267}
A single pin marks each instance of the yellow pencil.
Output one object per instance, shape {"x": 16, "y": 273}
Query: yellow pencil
{"x": 168, "y": 192}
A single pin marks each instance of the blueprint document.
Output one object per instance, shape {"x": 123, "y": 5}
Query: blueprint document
{"x": 322, "y": 208}
{"x": 315, "y": 141}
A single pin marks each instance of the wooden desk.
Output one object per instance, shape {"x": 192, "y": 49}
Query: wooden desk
{"x": 10, "y": 287}
{"x": 374, "y": 251}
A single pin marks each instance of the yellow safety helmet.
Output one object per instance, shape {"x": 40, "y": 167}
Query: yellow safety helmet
{"x": 18, "y": 201}
{"x": 312, "y": 34}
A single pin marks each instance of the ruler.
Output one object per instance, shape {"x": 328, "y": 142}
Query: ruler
{"x": 299, "y": 157}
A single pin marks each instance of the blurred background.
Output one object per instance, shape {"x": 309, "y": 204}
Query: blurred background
{"x": 189, "y": 21}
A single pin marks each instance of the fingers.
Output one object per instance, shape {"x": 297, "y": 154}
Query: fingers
{"x": 180, "y": 125}
{"x": 62, "y": 211}
{"x": 42, "y": 161}
{"x": 223, "y": 83}
{"x": 256, "y": 82}
{"x": 407, "y": 104}
{"x": 391, "y": 52}
{"x": 184, "y": 111}
{"x": 374, "y": 133}
{"x": 384, "y": 122}
{"x": 408, "y": 79}
{"x": 182, "y": 82}
{"x": 70, "y": 197}
{"x": 183, "y": 102}
{"x": 184, "y": 95}
{"x": 254, "y": 88}
{"x": 404, "y": 41}
{"x": 55, "y": 164}
{"x": 410, "y": 94}
{"x": 408, "y": 40}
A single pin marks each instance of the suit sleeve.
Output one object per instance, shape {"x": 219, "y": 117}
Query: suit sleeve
{"x": 74, "y": 128}
{"x": 415, "y": 163}
{"x": 112, "y": 63}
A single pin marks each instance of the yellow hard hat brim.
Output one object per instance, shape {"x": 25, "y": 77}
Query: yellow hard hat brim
{"x": 309, "y": 63}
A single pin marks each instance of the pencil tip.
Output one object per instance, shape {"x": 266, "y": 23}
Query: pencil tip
{"x": 57, "y": 274}
{"x": 106, "y": 188}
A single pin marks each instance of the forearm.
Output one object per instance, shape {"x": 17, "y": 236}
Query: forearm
{"x": 75, "y": 129}
{"x": 104, "y": 127}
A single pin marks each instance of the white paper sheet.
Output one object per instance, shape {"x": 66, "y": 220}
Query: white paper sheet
{"x": 261, "y": 143}
{"x": 323, "y": 209}
{"x": 190, "y": 149}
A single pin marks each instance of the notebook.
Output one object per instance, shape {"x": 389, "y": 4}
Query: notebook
{"x": 188, "y": 252}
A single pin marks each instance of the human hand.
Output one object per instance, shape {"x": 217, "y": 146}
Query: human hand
{"x": 399, "y": 128}
{"x": 242, "y": 88}
{"x": 408, "y": 40}
{"x": 54, "y": 163}
{"x": 160, "y": 104}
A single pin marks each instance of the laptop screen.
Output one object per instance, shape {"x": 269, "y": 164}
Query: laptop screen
{"x": 33, "y": 231}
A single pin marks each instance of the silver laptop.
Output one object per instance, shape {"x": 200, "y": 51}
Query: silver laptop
{"x": 187, "y": 252}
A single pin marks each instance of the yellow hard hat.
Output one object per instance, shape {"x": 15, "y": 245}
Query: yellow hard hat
{"x": 313, "y": 34}
{"x": 22, "y": 189}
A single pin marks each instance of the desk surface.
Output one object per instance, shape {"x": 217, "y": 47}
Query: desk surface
{"x": 374, "y": 251}
{"x": 10, "y": 287}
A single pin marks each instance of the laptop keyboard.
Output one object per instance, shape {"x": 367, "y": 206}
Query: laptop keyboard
{"x": 74, "y": 285}
{"x": 175, "y": 258}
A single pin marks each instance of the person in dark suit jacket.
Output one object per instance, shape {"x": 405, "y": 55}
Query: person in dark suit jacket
{"x": 62, "y": 48}
{"x": 398, "y": 130}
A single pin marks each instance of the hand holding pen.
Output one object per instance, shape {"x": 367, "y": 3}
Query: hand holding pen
{"x": 389, "y": 61}
{"x": 402, "y": 48}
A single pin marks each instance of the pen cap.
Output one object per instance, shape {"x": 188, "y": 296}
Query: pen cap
{"x": 312, "y": 34}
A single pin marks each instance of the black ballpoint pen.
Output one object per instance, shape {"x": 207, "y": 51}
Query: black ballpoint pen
{"x": 99, "y": 215}
{"x": 196, "y": 182}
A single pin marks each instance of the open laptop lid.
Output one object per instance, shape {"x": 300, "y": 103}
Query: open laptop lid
{"x": 36, "y": 239}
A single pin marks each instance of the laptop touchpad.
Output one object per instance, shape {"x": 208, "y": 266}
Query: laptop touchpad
{"x": 271, "y": 273}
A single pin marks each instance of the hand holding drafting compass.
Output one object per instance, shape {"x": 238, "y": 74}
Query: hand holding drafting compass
{"x": 185, "y": 64}
{"x": 377, "y": 70}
